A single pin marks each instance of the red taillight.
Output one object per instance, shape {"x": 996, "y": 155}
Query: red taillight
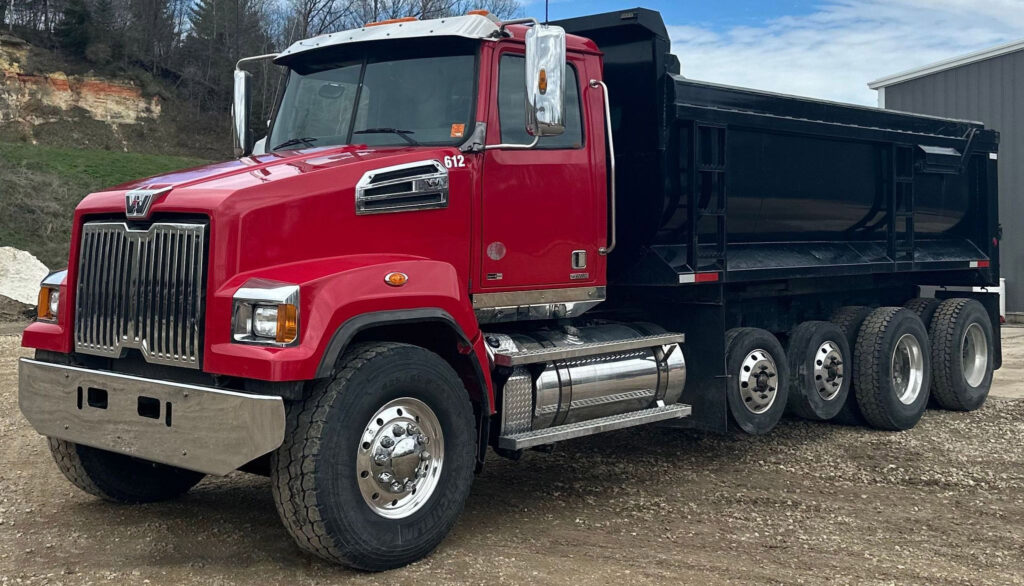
{"x": 705, "y": 277}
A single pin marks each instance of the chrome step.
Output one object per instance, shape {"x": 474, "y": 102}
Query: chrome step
{"x": 565, "y": 352}
{"x": 529, "y": 439}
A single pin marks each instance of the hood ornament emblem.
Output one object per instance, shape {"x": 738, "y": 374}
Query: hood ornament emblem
{"x": 138, "y": 201}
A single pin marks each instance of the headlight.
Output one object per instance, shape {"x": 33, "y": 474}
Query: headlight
{"x": 264, "y": 321}
{"x": 54, "y": 301}
{"x": 266, "y": 312}
{"x": 49, "y": 296}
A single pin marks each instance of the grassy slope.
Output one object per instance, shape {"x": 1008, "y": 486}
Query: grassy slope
{"x": 40, "y": 186}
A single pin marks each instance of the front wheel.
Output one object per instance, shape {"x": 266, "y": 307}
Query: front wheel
{"x": 377, "y": 461}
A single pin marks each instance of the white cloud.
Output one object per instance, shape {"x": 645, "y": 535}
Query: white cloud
{"x": 833, "y": 52}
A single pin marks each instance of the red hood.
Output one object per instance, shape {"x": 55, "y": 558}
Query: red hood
{"x": 302, "y": 160}
{"x": 290, "y": 207}
{"x": 281, "y": 188}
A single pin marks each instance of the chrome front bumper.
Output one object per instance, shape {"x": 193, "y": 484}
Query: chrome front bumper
{"x": 199, "y": 428}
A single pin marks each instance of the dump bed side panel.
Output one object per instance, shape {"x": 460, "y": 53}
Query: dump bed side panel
{"x": 753, "y": 185}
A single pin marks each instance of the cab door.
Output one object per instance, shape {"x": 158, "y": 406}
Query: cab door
{"x": 543, "y": 208}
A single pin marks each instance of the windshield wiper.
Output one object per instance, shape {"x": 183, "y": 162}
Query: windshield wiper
{"x": 307, "y": 140}
{"x": 402, "y": 133}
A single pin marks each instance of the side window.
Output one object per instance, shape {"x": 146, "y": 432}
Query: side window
{"x": 512, "y": 112}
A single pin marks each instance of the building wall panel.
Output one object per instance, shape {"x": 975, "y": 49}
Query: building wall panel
{"x": 992, "y": 92}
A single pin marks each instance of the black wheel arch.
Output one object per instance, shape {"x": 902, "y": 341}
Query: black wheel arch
{"x": 428, "y": 327}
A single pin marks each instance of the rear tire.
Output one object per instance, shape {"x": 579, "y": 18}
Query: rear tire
{"x": 336, "y": 498}
{"x": 118, "y": 477}
{"x": 819, "y": 364}
{"x": 893, "y": 368}
{"x": 962, "y": 354}
{"x": 758, "y": 379}
{"x": 849, "y": 320}
{"x": 925, "y": 308}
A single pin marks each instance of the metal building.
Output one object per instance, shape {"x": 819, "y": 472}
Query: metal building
{"x": 987, "y": 86}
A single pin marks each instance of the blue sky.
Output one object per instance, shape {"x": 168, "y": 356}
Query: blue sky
{"x": 821, "y": 48}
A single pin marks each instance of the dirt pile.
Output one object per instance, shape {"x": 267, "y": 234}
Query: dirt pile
{"x": 20, "y": 273}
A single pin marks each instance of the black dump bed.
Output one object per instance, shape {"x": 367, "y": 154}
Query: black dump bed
{"x": 760, "y": 186}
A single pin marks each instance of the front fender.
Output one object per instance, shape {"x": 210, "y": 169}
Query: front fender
{"x": 333, "y": 292}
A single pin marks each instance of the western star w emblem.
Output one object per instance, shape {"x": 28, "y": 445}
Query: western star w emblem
{"x": 138, "y": 201}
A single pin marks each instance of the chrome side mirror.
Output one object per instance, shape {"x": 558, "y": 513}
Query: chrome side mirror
{"x": 545, "y": 80}
{"x": 240, "y": 113}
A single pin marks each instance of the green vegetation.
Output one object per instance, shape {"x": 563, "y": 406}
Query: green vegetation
{"x": 40, "y": 187}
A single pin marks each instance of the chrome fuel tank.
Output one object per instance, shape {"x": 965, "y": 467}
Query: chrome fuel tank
{"x": 579, "y": 389}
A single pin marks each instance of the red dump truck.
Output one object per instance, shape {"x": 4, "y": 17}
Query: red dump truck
{"x": 464, "y": 233}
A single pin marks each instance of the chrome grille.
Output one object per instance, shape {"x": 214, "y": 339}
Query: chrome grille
{"x": 141, "y": 289}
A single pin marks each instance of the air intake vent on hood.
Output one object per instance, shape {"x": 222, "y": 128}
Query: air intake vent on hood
{"x": 421, "y": 185}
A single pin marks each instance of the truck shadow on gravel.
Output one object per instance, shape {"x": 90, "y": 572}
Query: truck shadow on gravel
{"x": 231, "y": 522}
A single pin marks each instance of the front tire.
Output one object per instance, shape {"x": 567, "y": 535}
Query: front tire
{"x": 118, "y": 477}
{"x": 355, "y": 482}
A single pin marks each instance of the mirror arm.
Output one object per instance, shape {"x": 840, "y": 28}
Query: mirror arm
{"x": 506, "y": 23}
{"x": 238, "y": 64}
{"x": 521, "y": 147}
{"x": 606, "y": 250}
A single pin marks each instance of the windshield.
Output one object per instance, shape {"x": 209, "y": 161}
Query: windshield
{"x": 405, "y": 99}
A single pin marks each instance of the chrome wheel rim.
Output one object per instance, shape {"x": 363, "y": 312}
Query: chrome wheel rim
{"x": 399, "y": 458}
{"x": 759, "y": 382}
{"x": 974, "y": 355}
{"x": 907, "y": 369}
{"x": 828, "y": 370}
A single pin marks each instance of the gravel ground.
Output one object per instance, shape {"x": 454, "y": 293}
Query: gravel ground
{"x": 810, "y": 503}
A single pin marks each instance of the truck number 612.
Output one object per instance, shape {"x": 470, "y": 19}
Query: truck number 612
{"x": 455, "y": 161}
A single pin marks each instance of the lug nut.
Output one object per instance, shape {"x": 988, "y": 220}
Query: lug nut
{"x": 396, "y": 486}
{"x": 424, "y": 455}
{"x": 422, "y": 440}
{"x": 410, "y": 484}
{"x": 398, "y": 430}
{"x": 380, "y": 459}
{"x": 412, "y": 429}
{"x": 385, "y": 477}
{"x": 387, "y": 442}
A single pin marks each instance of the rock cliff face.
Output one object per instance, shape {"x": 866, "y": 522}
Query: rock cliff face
{"x": 36, "y": 98}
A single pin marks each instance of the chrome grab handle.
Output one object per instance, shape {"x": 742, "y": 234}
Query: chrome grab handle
{"x": 606, "y": 250}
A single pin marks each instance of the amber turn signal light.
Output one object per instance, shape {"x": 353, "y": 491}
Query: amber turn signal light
{"x": 396, "y": 279}
{"x": 287, "y": 323}
{"x": 542, "y": 81}
{"x": 43, "y": 308}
